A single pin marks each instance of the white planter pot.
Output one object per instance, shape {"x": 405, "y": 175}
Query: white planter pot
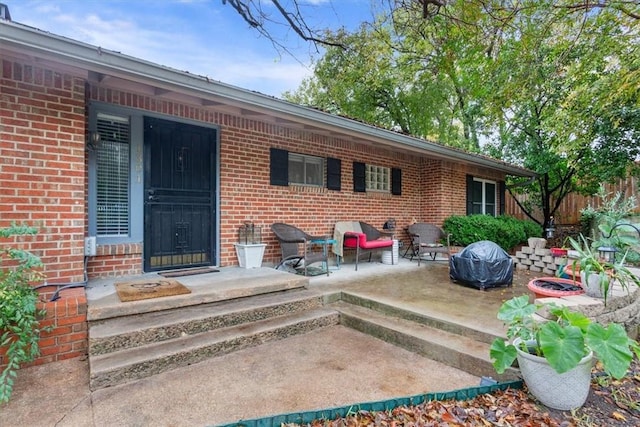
{"x": 591, "y": 285}
{"x": 250, "y": 255}
{"x": 391, "y": 256}
{"x": 559, "y": 391}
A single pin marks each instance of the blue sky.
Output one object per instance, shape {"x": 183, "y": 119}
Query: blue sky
{"x": 203, "y": 37}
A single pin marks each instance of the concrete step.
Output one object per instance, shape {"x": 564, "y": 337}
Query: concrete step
{"x": 421, "y": 318}
{"x": 131, "y": 331}
{"x": 458, "y": 351}
{"x": 227, "y": 284}
{"x": 153, "y": 358}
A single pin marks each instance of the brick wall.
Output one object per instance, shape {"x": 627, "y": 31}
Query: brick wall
{"x": 42, "y": 169}
{"x": 42, "y": 183}
{"x": 67, "y": 318}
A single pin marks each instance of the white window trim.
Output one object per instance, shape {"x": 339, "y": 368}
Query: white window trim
{"x": 484, "y": 195}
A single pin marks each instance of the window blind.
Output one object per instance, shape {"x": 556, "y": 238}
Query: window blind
{"x": 112, "y": 172}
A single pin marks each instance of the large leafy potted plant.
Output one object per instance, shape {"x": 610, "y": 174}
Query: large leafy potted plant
{"x": 555, "y": 356}
{"x": 598, "y": 274}
{"x": 19, "y": 313}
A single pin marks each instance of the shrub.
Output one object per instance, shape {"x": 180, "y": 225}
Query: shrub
{"x": 506, "y": 231}
{"x": 19, "y": 315}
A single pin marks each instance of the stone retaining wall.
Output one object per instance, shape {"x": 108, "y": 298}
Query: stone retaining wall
{"x": 538, "y": 260}
{"x": 622, "y": 307}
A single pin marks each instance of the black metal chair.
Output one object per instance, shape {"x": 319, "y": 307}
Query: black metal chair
{"x": 297, "y": 247}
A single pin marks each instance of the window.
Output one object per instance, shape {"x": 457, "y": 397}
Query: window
{"x": 306, "y": 170}
{"x": 483, "y": 197}
{"x": 112, "y": 176}
{"x": 300, "y": 169}
{"x": 377, "y": 178}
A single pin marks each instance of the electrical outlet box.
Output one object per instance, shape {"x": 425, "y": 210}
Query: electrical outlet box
{"x": 90, "y": 246}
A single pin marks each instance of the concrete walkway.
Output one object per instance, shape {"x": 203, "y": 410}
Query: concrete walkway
{"x": 329, "y": 367}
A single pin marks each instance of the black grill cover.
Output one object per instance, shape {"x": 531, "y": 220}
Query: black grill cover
{"x": 483, "y": 265}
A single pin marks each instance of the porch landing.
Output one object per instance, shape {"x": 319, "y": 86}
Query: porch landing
{"x": 227, "y": 284}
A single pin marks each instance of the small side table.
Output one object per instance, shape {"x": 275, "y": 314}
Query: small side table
{"x": 325, "y": 247}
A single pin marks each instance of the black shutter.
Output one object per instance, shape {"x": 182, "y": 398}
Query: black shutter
{"x": 396, "y": 181}
{"x": 334, "y": 180}
{"x": 502, "y": 193}
{"x": 469, "y": 194}
{"x": 359, "y": 177}
{"x": 279, "y": 167}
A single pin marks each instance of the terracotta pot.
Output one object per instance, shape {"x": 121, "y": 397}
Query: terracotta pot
{"x": 537, "y": 286}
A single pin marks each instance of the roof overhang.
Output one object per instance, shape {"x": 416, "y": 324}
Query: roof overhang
{"x": 113, "y": 69}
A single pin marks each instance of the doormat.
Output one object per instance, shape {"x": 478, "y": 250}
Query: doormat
{"x": 189, "y": 272}
{"x": 152, "y": 288}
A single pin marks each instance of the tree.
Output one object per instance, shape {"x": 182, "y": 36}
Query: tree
{"x": 296, "y": 14}
{"x": 552, "y": 85}
{"x": 554, "y": 109}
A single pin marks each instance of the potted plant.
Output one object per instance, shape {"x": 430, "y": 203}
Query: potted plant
{"x": 555, "y": 356}
{"x": 597, "y": 274}
{"x": 19, "y": 313}
{"x": 250, "y": 248}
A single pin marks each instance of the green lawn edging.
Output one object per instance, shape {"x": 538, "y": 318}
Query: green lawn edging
{"x": 382, "y": 405}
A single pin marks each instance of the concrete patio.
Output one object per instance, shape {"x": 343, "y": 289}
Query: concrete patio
{"x": 328, "y": 367}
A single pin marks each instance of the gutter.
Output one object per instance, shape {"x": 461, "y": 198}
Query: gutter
{"x": 93, "y": 58}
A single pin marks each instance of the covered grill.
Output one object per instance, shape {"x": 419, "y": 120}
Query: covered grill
{"x": 482, "y": 265}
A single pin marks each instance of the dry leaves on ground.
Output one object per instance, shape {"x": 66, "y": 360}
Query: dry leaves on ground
{"x": 508, "y": 408}
{"x": 614, "y": 403}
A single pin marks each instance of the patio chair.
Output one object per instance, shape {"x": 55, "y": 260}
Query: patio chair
{"x": 296, "y": 246}
{"x": 368, "y": 241}
{"x": 428, "y": 239}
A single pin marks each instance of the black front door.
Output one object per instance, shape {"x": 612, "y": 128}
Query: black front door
{"x": 179, "y": 195}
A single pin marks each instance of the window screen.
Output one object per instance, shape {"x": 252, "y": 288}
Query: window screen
{"x": 112, "y": 173}
{"x": 306, "y": 170}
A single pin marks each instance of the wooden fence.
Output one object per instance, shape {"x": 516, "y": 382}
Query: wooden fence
{"x": 569, "y": 211}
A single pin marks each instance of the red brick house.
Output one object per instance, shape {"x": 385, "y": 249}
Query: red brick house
{"x": 162, "y": 167}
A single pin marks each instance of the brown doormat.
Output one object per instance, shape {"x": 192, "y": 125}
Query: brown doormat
{"x": 189, "y": 272}
{"x": 152, "y": 288}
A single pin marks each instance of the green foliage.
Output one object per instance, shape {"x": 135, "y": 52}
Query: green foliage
{"x": 19, "y": 316}
{"x": 610, "y": 224}
{"x": 563, "y": 342}
{"x": 553, "y": 89}
{"x": 608, "y": 271}
{"x": 504, "y": 230}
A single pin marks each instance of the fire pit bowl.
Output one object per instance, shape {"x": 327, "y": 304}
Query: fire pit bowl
{"x": 544, "y": 287}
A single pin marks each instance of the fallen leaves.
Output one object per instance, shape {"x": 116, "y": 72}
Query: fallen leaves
{"x": 503, "y": 408}
{"x": 612, "y": 403}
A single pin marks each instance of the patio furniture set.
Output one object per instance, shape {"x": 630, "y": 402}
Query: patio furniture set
{"x": 300, "y": 249}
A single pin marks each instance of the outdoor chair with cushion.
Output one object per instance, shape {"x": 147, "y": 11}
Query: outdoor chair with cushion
{"x": 368, "y": 240}
{"x": 296, "y": 246}
{"x": 428, "y": 239}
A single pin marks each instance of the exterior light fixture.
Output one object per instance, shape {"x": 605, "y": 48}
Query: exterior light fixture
{"x": 607, "y": 253}
{"x": 551, "y": 228}
{"x": 93, "y": 140}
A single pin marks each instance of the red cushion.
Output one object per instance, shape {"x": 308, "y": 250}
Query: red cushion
{"x": 352, "y": 240}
